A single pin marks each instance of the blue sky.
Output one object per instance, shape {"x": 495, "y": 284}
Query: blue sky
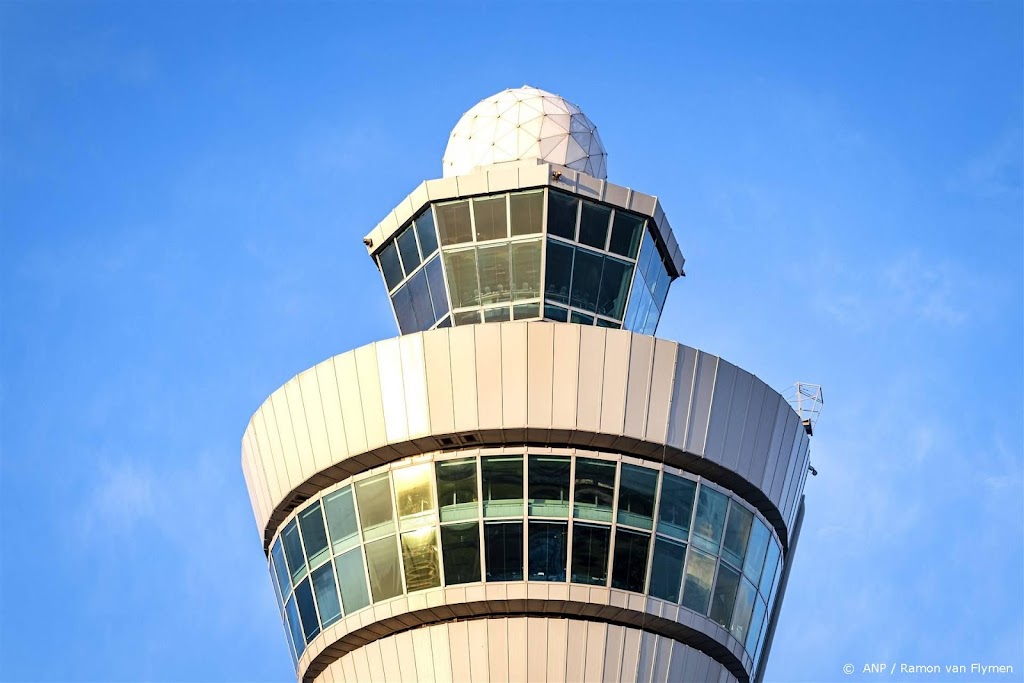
{"x": 184, "y": 188}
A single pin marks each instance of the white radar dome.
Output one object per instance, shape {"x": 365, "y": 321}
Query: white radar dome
{"x": 525, "y": 123}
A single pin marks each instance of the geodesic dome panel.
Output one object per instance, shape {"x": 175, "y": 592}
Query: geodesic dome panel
{"x": 525, "y": 123}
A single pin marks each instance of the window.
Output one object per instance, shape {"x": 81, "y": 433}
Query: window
{"x": 562, "y": 211}
{"x": 495, "y": 277}
{"x": 549, "y": 486}
{"x": 756, "y": 621}
{"x": 700, "y": 572}
{"x": 636, "y": 496}
{"x": 426, "y": 233}
{"x": 414, "y": 495}
{"x": 737, "y": 532}
{"x": 590, "y": 554}
{"x": 294, "y": 625}
{"x": 586, "y": 280}
{"x": 626, "y": 232}
{"x": 556, "y": 313}
{"x": 462, "y": 279}
{"x": 341, "y": 519}
{"x": 771, "y": 566}
{"x": 667, "y": 569}
{"x": 629, "y": 565}
{"x": 496, "y": 315}
{"x": 527, "y": 210}
{"x": 419, "y": 555}
{"x": 460, "y": 546}
{"x": 313, "y": 535}
{"x": 581, "y": 318}
{"x": 547, "y": 550}
{"x": 293, "y": 551}
{"x": 467, "y": 318}
{"x": 453, "y": 223}
{"x": 559, "y": 272}
{"x": 408, "y": 249}
{"x": 307, "y": 610}
{"x": 710, "y": 518}
{"x": 759, "y": 539}
{"x": 435, "y": 281}
{"x": 724, "y": 598}
{"x": 594, "y": 220}
{"x": 382, "y": 563}
{"x": 490, "y": 218}
{"x": 352, "y": 580}
{"x": 375, "y": 513}
{"x": 502, "y": 486}
{"x": 390, "y": 265}
{"x": 456, "y": 490}
{"x": 280, "y": 569}
{"x": 503, "y": 551}
{"x": 611, "y": 297}
{"x": 326, "y": 595}
{"x": 744, "y": 606}
{"x": 595, "y": 489}
{"x": 525, "y": 311}
{"x": 525, "y": 270}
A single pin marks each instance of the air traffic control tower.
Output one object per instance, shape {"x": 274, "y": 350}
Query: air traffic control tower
{"x": 526, "y": 484}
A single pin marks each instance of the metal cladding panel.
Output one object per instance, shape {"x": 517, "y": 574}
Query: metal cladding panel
{"x": 682, "y": 396}
{"x": 280, "y": 425}
{"x": 256, "y": 480}
{"x": 677, "y": 665}
{"x": 630, "y": 654}
{"x": 737, "y": 425}
{"x": 638, "y": 388}
{"x": 797, "y": 485}
{"x": 497, "y": 649}
{"x": 362, "y": 664}
{"x": 660, "y": 400}
{"x": 700, "y": 403}
{"x": 478, "y": 661}
{"x": 250, "y": 487}
{"x": 389, "y": 654}
{"x": 791, "y": 469}
{"x": 375, "y": 661}
{"x": 593, "y": 662}
{"x": 314, "y": 433}
{"x": 330, "y": 411}
{"x": 591, "y": 379}
{"x": 464, "y": 380}
{"x": 392, "y": 390}
{"x": 536, "y": 650}
{"x": 576, "y": 651}
{"x": 616, "y": 375}
{"x": 282, "y": 466}
{"x": 458, "y": 643}
{"x": 612, "y": 654}
{"x": 566, "y": 367}
{"x": 752, "y": 430}
{"x": 414, "y": 377}
{"x": 539, "y": 373}
{"x": 778, "y": 430}
{"x": 488, "y": 375}
{"x": 269, "y": 461}
{"x": 351, "y": 408}
{"x": 514, "y": 375}
{"x": 722, "y": 403}
{"x": 517, "y": 652}
{"x": 437, "y": 359}
{"x": 558, "y": 645}
{"x": 645, "y": 665}
{"x": 784, "y": 464}
{"x": 370, "y": 396}
{"x": 424, "y": 656}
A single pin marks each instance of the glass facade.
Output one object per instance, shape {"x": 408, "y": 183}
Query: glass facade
{"x": 507, "y": 518}
{"x": 525, "y": 255}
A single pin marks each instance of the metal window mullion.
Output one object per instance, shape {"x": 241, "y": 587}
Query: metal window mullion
{"x": 361, "y": 545}
{"x": 398, "y": 529}
{"x": 480, "y": 512}
{"x": 572, "y": 518}
{"x": 615, "y": 523}
{"x": 654, "y": 531}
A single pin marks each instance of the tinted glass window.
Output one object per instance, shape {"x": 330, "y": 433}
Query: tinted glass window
{"x": 527, "y": 212}
{"x": 556, "y": 313}
{"x": 421, "y": 305}
{"x": 629, "y": 565}
{"x": 503, "y": 551}
{"x": 419, "y": 555}
{"x": 770, "y": 568}
{"x": 667, "y": 569}
{"x": 281, "y": 569}
{"x": 709, "y": 520}
{"x": 549, "y": 486}
{"x": 594, "y": 220}
{"x": 611, "y": 298}
{"x": 744, "y": 606}
{"x": 724, "y": 598}
{"x": 737, "y": 532}
{"x": 467, "y": 317}
{"x": 639, "y": 302}
{"x": 408, "y": 249}
{"x": 453, "y": 223}
{"x": 608, "y": 323}
{"x": 525, "y": 311}
{"x": 294, "y": 625}
{"x": 581, "y": 318}
{"x": 759, "y": 538}
{"x": 293, "y": 551}
{"x": 586, "y": 280}
{"x": 382, "y": 564}
{"x": 462, "y": 280}
{"x": 341, "y": 519}
{"x": 526, "y": 270}
{"x": 636, "y": 496}
{"x": 435, "y": 280}
{"x": 562, "y": 211}
{"x": 676, "y": 506}
{"x": 626, "y": 231}
{"x": 756, "y": 621}
{"x": 402, "y": 301}
{"x": 307, "y": 610}
{"x": 374, "y": 499}
{"x": 390, "y": 265}
{"x": 425, "y": 231}
{"x": 456, "y": 489}
{"x": 547, "y": 550}
{"x": 595, "y": 489}
{"x": 647, "y": 252}
{"x": 495, "y": 276}
{"x": 497, "y": 315}
{"x": 313, "y": 534}
{"x": 490, "y": 218}
{"x": 590, "y": 554}
{"x": 352, "y": 580}
{"x": 660, "y": 288}
{"x": 413, "y": 492}
{"x": 326, "y": 595}
{"x": 559, "y": 272}
{"x": 460, "y": 544}
{"x": 502, "y": 486}
{"x": 700, "y": 572}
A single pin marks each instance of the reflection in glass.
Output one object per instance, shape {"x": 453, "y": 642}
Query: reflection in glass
{"x": 547, "y": 550}
{"x": 425, "y": 232}
{"x": 326, "y": 595}
{"x": 496, "y": 315}
{"x": 667, "y": 569}
{"x": 413, "y": 493}
{"x": 489, "y": 215}
{"x": 525, "y": 270}
{"x": 293, "y": 551}
{"x": 294, "y": 626}
{"x": 462, "y": 280}
{"x": 453, "y": 223}
{"x": 495, "y": 277}
{"x": 601, "y": 322}
{"x": 307, "y": 610}
{"x": 744, "y": 606}
{"x": 280, "y": 569}
{"x": 559, "y": 272}
{"x": 382, "y": 563}
{"x": 467, "y": 318}
{"x": 527, "y": 212}
{"x": 661, "y": 281}
{"x": 737, "y": 532}
{"x": 503, "y": 551}
{"x": 639, "y": 303}
{"x": 456, "y": 490}
{"x": 419, "y": 555}
{"x": 611, "y": 298}
{"x": 375, "y": 513}
{"x": 636, "y": 496}
{"x": 586, "y": 279}
{"x": 581, "y": 318}
{"x": 700, "y": 572}
{"x": 341, "y": 519}
{"x": 525, "y": 311}
{"x": 590, "y": 554}
{"x": 314, "y": 536}
{"x": 460, "y": 544}
{"x": 562, "y": 210}
{"x": 709, "y": 520}
{"x": 595, "y": 489}
{"x": 626, "y": 231}
{"x": 724, "y": 598}
{"x": 629, "y": 565}
{"x": 556, "y": 313}
{"x": 549, "y": 486}
{"x": 771, "y": 565}
{"x": 502, "y": 486}
{"x": 756, "y": 622}
{"x": 390, "y": 265}
{"x": 352, "y": 580}
{"x": 759, "y": 538}
{"x": 594, "y": 220}
{"x": 435, "y": 281}
{"x": 408, "y": 249}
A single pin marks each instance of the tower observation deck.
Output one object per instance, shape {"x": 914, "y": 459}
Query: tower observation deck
{"x": 526, "y": 484}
